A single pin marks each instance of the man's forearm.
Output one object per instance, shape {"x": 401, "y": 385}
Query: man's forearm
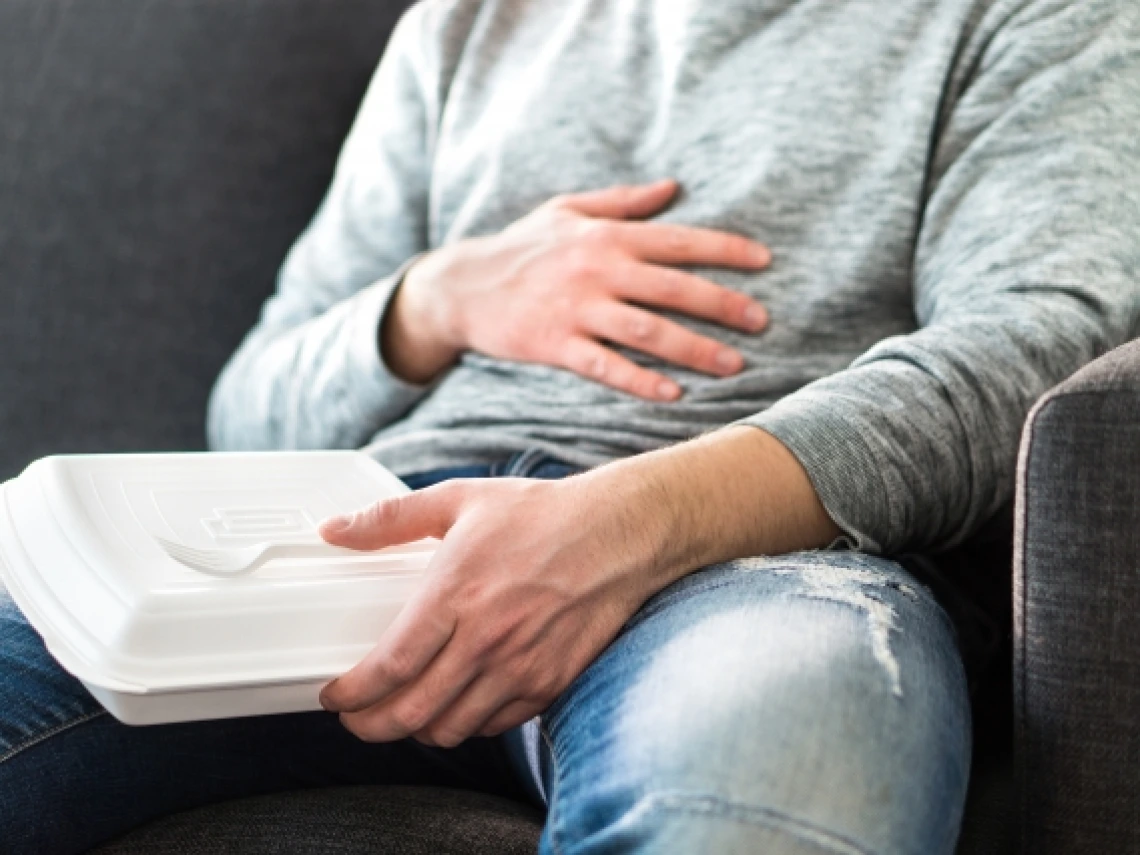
{"x": 534, "y": 578}
{"x": 733, "y": 493}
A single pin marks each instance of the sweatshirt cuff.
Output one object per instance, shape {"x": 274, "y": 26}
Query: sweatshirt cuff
{"x": 380, "y": 394}
{"x": 840, "y": 460}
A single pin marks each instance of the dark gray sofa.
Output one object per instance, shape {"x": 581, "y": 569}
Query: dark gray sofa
{"x": 157, "y": 158}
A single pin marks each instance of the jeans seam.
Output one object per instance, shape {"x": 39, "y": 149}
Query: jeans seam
{"x": 555, "y": 810}
{"x": 757, "y": 815}
{"x": 55, "y": 731}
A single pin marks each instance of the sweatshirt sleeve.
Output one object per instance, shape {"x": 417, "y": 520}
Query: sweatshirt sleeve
{"x": 1027, "y": 266}
{"x": 310, "y": 374}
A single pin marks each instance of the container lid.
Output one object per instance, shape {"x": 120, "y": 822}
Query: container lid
{"x": 80, "y": 555}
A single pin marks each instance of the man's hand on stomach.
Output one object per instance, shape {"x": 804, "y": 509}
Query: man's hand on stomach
{"x": 568, "y": 280}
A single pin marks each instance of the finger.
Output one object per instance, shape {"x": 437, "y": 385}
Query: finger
{"x": 418, "y": 705}
{"x": 421, "y": 630}
{"x": 403, "y": 519}
{"x": 689, "y": 294}
{"x": 652, "y": 334}
{"x": 603, "y": 365}
{"x": 484, "y": 698}
{"x": 512, "y": 715}
{"x": 622, "y": 203}
{"x": 666, "y": 243}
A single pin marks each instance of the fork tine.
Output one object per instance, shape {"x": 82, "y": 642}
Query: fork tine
{"x": 171, "y": 546}
{"x": 187, "y": 551}
{"x": 218, "y": 562}
{"x": 184, "y": 553}
{"x": 189, "y": 555}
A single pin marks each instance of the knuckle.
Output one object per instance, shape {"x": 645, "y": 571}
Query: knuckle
{"x": 489, "y": 637}
{"x": 411, "y": 716}
{"x": 579, "y": 263}
{"x": 542, "y": 696}
{"x": 626, "y": 196}
{"x": 642, "y": 327}
{"x": 384, "y": 513}
{"x": 598, "y": 233}
{"x": 453, "y": 491}
{"x": 518, "y": 673}
{"x": 544, "y": 691}
{"x": 592, "y": 364}
{"x": 446, "y": 499}
{"x": 701, "y": 352}
{"x": 628, "y": 380}
{"x": 671, "y": 286}
{"x": 739, "y": 248}
{"x": 396, "y": 667}
{"x": 679, "y": 241}
{"x": 350, "y": 699}
{"x": 376, "y": 514}
{"x": 732, "y": 249}
{"x": 646, "y": 387}
{"x": 731, "y": 305}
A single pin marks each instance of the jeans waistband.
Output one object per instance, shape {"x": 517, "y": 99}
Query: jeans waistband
{"x": 531, "y": 463}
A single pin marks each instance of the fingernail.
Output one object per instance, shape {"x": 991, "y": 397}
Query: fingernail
{"x": 668, "y": 391}
{"x": 335, "y": 525}
{"x": 755, "y": 317}
{"x": 761, "y": 254}
{"x": 729, "y": 360}
{"x": 326, "y": 702}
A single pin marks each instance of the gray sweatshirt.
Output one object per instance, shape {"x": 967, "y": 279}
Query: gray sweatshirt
{"x": 951, "y": 190}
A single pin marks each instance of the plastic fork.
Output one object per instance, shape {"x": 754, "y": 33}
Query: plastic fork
{"x": 242, "y": 560}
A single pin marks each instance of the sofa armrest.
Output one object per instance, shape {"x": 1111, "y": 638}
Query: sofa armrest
{"x": 1077, "y": 613}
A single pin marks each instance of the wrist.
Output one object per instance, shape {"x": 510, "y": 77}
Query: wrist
{"x": 649, "y": 525}
{"x": 416, "y": 341}
{"x": 734, "y": 493}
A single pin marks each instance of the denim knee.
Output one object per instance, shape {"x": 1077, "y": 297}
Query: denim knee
{"x": 809, "y": 703}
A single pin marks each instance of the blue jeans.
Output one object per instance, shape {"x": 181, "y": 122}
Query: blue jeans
{"x": 808, "y": 703}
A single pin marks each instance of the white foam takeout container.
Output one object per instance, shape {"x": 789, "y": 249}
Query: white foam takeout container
{"x": 156, "y": 641}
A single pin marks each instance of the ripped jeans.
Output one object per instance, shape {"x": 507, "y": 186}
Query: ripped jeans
{"x": 809, "y": 703}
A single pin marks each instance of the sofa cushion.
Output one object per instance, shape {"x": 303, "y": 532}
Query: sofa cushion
{"x": 345, "y": 821}
{"x": 432, "y": 821}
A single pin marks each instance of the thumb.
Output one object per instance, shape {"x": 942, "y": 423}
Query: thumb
{"x": 428, "y": 513}
{"x": 623, "y": 203}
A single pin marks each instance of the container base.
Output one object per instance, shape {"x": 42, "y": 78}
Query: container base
{"x": 237, "y": 702}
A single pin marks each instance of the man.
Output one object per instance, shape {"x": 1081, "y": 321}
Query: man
{"x": 845, "y": 245}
